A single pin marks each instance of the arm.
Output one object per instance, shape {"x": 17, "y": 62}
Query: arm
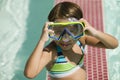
{"x": 97, "y": 38}
{"x": 93, "y": 41}
{"x": 37, "y": 61}
{"x": 39, "y": 58}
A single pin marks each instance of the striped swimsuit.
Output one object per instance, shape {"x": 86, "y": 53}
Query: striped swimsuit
{"x": 62, "y": 67}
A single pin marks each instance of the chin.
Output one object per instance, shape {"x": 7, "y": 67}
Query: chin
{"x": 66, "y": 47}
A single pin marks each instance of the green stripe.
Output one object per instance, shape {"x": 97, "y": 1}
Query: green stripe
{"x": 61, "y": 67}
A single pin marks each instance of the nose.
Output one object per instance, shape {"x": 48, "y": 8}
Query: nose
{"x": 66, "y": 37}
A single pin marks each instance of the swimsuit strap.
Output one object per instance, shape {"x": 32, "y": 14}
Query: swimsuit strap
{"x": 81, "y": 46}
{"x": 83, "y": 50}
{"x": 61, "y": 57}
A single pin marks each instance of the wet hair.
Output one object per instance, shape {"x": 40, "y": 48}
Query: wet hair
{"x": 65, "y": 10}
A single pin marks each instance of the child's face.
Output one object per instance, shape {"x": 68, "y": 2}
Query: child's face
{"x": 66, "y": 42}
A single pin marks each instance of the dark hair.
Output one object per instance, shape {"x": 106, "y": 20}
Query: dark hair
{"x": 65, "y": 10}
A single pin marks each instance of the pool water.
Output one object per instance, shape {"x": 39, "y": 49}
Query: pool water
{"x": 112, "y": 26}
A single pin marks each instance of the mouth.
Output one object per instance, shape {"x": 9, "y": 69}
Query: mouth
{"x": 64, "y": 45}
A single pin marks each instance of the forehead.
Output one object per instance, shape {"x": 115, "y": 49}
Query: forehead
{"x": 72, "y": 19}
{"x": 62, "y": 20}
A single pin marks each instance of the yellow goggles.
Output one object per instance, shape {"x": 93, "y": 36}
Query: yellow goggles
{"x": 74, "y": 29}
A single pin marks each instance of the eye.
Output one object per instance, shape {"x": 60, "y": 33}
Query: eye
{"x": 73, "y": 30}
{"x": 57, "y": 32}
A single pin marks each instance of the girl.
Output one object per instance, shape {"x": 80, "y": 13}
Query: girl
{"x": 63, "y": 57}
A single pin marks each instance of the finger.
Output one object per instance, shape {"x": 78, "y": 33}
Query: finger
{"x": 86, "y": 28}
{"x": 47, "y": 24}
{"x": 50, "y": 31}
{"x": 84, "y": 21}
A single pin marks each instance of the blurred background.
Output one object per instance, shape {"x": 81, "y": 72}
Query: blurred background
{"x": 111, "y": 17}
{"x": 21, "y": 23}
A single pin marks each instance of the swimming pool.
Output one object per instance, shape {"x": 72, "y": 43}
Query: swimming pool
{"x": 20, "y": 22}
{"x": 112, "y": 26}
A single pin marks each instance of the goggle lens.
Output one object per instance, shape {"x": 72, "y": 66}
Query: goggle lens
{"x": 73, "y": 28}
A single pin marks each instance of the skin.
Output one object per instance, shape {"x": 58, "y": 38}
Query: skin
{"x": 44, "y": 57}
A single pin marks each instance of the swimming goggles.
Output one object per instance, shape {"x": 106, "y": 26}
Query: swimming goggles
{"x": 73, "y": 29}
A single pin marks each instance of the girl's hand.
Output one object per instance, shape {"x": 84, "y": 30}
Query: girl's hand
{"x": 89, "y": 30}
{"x": 46, "y": 31}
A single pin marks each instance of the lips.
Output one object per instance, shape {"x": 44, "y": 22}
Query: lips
{"x": 64, "y": 45}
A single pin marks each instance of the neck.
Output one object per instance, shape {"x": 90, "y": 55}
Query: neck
{"x": 67, "y": 51}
